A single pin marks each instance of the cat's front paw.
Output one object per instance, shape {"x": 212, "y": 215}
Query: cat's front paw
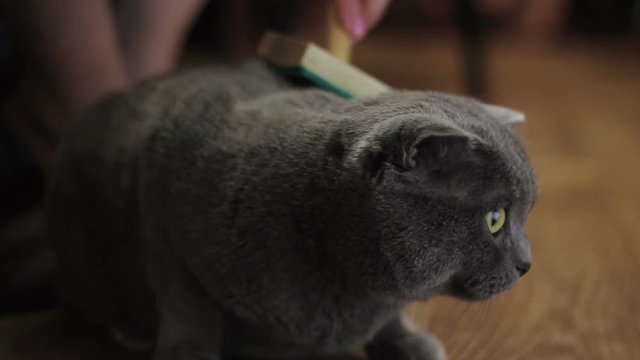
{"x": 414, "y": 346}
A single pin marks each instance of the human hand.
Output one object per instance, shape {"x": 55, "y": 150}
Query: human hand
{"x": 359, "y": 16}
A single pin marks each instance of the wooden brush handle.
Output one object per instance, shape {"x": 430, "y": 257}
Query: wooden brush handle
{"x": 337, "y": 40}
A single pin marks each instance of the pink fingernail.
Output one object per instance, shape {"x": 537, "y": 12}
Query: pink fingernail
{"x": 357, "y": 28}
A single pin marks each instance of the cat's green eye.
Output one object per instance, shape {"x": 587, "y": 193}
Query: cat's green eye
{"x": 495, "y": 220}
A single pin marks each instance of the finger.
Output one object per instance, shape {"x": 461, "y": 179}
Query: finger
{"x": 351, "y": 16}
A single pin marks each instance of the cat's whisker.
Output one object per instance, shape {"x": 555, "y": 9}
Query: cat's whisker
{"x": 457, "y": 321}
{"x": 457, "y": 352}
{"x": 414, "y": 313}
{"x": 488, "y": 308}
{"x": 483, "y": 310}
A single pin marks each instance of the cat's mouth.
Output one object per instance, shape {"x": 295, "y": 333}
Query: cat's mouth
{"x": 471, "y": 289}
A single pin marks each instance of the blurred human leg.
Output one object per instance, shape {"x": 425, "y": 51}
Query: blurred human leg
{"x": 73, "y": 58}
{"x": 73, "y": 47}
{"x": 152, "y": 33}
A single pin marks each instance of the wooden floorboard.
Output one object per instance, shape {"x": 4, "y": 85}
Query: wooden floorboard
{"x": 581, "y": 299}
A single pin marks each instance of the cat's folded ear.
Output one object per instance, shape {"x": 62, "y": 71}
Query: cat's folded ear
{"x": 504, "y": 115}
{"x": 411, "y": 144}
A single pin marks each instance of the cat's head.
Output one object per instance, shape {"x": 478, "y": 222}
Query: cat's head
{"x": 451, "y": 188}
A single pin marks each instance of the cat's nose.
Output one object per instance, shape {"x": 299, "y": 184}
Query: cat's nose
{"x": 523, "y": 268}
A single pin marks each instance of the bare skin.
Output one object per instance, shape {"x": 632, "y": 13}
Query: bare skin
{"x": 79, "y": 51}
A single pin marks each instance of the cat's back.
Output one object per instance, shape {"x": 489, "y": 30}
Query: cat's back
{"x": 93, "y": 209}
{"x": 126, "y": 119}
{"x": 102, "y": 153}
{"x": 103, "y": 148}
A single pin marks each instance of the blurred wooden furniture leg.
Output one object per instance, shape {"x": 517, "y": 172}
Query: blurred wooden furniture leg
{"x": 473, "y": 27}
{"x": 635, "y": 24}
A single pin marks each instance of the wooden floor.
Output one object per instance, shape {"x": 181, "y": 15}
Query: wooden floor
{"x": 582, "y": 298}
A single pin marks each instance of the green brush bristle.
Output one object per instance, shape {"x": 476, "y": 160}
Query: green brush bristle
{"x": 313, "y": 78}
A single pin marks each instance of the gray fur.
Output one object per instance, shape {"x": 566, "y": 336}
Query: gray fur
{"x": 223, "y": 211}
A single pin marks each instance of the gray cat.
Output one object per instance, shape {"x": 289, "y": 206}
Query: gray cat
{"x": 224, "y": 212}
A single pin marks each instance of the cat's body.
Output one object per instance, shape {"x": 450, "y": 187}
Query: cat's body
{"x": 239, "y": 215}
